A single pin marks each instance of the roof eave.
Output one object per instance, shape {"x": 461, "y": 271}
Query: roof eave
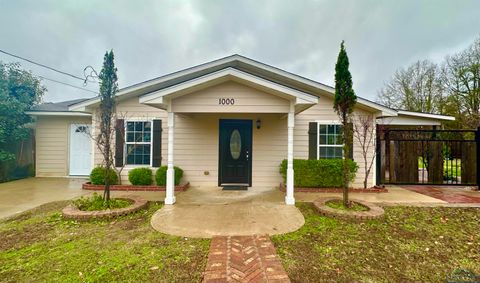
{"x": 58, "y": 113}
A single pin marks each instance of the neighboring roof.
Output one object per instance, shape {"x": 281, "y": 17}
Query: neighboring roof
{"x": 426, "y": 115}
{"x": 58, "y": 108}
{"x": 411, "y": 118}
{"x": 240, "y": 63}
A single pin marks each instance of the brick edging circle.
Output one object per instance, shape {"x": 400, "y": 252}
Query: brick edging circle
{"x": 72, "y": 212}
{"x": 90, "y": 187}
{"x": 375, "y": 189}
{"x": 374, "y": 211}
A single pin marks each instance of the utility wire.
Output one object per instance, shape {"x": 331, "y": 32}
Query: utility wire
{"x": 67, "y": 84}
{"x": 84, "y": 80}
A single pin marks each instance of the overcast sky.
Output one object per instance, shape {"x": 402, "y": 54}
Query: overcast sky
{"x": 153, "y": 38}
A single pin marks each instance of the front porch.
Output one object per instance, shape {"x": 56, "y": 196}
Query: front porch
{"x": 230, "y": 128}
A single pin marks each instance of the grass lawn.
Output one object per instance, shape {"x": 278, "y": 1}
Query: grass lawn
{"x": 451, "y": 168}
{"x": 39, "y": 246}
{"x": 410, "y": 244}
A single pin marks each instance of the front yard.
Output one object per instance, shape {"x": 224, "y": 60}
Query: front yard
{"x": 410, "y": 244}
{"x": 39, "y": 246}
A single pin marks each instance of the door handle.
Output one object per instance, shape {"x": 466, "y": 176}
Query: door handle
{"x": 247, "y": 154}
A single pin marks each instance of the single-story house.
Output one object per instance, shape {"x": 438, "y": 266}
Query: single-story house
{"x": 226, "y": 122}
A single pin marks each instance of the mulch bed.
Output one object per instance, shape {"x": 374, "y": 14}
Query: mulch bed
{"x": 375, "y": 189}
{"x": 72, "y": 212}
{"x": 374, "y": 211}
{"x": 89, "y": 186}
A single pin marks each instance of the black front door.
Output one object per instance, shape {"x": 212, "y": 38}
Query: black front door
{"x": 235, "y": 156}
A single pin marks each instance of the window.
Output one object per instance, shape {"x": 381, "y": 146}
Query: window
{"x": 138, "y": 143}
{"x": 330, "y": 143}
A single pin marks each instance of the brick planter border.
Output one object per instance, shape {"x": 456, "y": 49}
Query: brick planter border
{"x": 374, "y": 211}
{"x": 375, "y": 189}
{"x": 72, "y": 212}
{"x": 89, "y": 186}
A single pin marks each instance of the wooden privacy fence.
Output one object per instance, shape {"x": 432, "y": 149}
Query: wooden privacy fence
{"x": 446, "y": 157}
{"x": 24, "y": 164}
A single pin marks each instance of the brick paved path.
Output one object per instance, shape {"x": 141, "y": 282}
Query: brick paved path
{"x": 243, "y": 259}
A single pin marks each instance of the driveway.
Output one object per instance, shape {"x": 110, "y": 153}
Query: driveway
{"x": 21, "y": 195}
{"x": 450, "y": 194}
{"x": 18, "y": 196}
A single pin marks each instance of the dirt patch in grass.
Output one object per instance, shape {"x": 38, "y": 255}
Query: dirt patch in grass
{"x": 124, "y": 249}
{"x": 410, "y": 244}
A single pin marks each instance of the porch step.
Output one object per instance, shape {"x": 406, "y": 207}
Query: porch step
{"x": 235, "y": 188}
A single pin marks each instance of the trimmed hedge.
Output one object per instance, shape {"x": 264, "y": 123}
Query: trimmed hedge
{"x": 161, "y": 175}
{"x": 140, "y": 176}
{"x": 322, "y": 173}
{"x": 97, "y": 176}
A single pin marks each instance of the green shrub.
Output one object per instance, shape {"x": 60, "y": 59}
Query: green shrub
{"x": 322, "y": 173}
{"x": 97, "y": 176}
{"x": 140, "y": 176}
{"x": 161, "y": 175}
{"x": 96, "y": 202}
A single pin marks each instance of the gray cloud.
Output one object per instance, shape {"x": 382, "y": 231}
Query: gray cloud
{"x": 151, "y": 38}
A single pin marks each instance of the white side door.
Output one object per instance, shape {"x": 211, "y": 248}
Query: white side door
{"x": 80, "y": 150}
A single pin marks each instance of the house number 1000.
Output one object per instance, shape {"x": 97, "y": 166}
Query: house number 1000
{"x": 226, "y": 101}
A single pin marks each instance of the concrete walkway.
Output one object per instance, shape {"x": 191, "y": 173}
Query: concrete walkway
{"x": 204, "y": 212}
{"x": 395, "y": 195}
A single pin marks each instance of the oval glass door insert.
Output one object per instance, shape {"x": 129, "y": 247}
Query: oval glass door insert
{"x": 235, "y": 144}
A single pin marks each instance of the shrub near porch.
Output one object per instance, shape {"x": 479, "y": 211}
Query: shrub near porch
{"x": 322, "y": 173}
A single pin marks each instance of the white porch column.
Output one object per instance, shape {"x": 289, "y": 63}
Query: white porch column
{"x": 289, "y": 199}
{"x": 170, "y": 189}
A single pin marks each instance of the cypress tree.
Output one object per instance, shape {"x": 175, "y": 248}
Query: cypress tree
{"x": 108, "y": 89}
{"x": 344, "y": 103}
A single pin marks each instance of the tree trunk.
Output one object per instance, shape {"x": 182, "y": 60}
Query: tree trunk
{"x": 346, "y": 150}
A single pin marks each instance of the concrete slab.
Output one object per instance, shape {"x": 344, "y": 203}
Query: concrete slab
{"x": 204, "y": 212}
{"x": 18, "y": 196}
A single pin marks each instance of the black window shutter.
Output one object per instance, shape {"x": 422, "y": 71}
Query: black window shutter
{"x": 312, "y": 140}
{"x": 157, "y": 143}
{"x": 119, "y": 142}
{"x": 350, "y": 141}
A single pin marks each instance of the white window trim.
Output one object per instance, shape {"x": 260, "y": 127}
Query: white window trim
{"x": 326, "y": 123}
{"x": 126, "y": 143}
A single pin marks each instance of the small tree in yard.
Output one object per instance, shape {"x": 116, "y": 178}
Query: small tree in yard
{"x": 19, "y": 91}
{"x": 108, "y": 89}
{"x": 364, "y": 134}
{"x": 344, "y": 102}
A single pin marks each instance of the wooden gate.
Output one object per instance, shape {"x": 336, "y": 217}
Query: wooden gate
{"x": 444, "y": 157}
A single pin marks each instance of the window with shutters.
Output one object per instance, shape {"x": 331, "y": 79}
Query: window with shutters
{"x": 138, "y": 143}
{"x": 329, "y": 141}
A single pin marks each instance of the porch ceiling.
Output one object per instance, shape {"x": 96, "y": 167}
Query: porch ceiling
{"x": 162, "y": 98}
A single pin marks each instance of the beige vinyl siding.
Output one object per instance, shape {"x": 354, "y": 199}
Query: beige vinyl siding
{"x": 52, "y": 136}
{"x": 196, "y": 134}
{"x": 323, "y": 111}
{"x": 246, "y": 99}
{"x": 131, "y": 109}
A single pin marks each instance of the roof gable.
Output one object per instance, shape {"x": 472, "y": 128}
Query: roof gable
{"x": 240, "y": 63}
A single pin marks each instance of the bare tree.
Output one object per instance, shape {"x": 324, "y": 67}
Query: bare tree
{"x": 416, "y": 88}
{"x": 461, "y": 79}
{"x": 364, "y": 133}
